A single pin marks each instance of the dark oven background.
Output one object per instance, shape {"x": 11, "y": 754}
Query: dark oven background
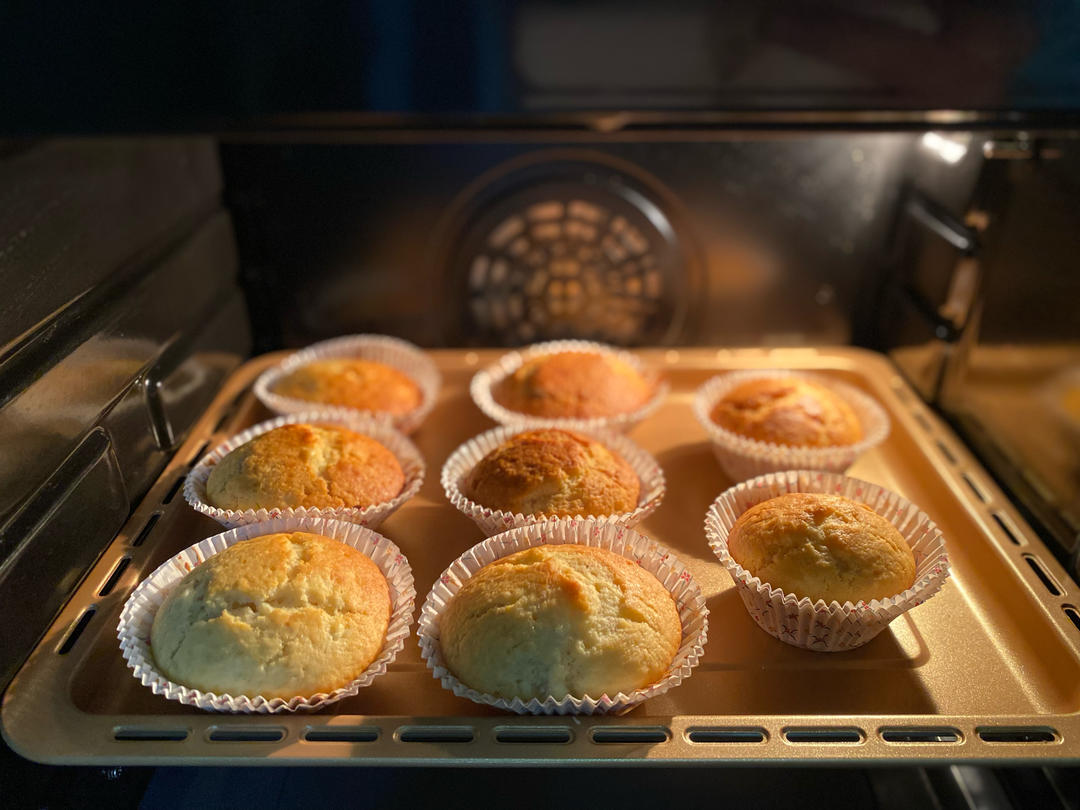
{"x": 743, "y": 240}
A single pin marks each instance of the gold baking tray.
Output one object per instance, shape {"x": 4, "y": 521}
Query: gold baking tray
{"x": 987, "y": 671}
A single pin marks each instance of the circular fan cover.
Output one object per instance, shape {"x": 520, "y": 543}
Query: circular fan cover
{"x": 587, "y": 256}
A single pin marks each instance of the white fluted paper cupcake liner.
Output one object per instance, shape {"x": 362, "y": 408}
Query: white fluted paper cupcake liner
{"x": 137, "y": 617}
{"x": 412, "y": 464}
{"x": 742, "y": 458}
{"x": 816, "y": 625}
{"x": 484, "y": 383}
{"x": 654, "y": 558}
{"x": 390, "y": 351}
{"x": 492, "y": 521}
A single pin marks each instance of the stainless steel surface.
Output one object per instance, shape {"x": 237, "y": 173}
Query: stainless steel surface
{"x": 73, "y": 211}
{"x": 987, "y": 671}
{"x": 1012, "y": 402}
{"x": 1019, "y": 147}
{"x": 980, "y": 315}
{"x": 779, "y": 234}
{"x": 120, "y": 320}
{"x": 556, "y": 247}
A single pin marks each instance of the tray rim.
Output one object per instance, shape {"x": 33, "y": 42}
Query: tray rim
{"x": 29, "y": 716}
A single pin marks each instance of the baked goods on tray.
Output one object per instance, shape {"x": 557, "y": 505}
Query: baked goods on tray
{"x": 824, "y": 547}
{"x": 788, "y": 411}
{"x": 351, "y": 382}
{"x": 330, "y": 463}
{"x": 553, "y": 472}
{"x": 557, "y": 620}
{"x": 823, "y": 561}
{"x": 280, "y": 615}
{"x": 771, "y": 420}
{"x": 574, "y": 384}
{"x": 377, "y": 375}
{"x": 305, "y": 465}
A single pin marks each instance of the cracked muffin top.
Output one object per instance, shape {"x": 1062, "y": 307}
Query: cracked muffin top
{"x": 353, "y": 383}
{"x": 560, "y": 620}
{"x": 553, "y": 472}
{"x": 574, "y": 385}
{"x": 789, "y": 411}
{"x": 320, "y": 466}
{"x": 822, "y": 547}
{"x": 282, "y": 615}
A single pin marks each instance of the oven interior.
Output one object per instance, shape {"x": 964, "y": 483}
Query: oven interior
{"x": 144, "y": 271}
{"x": 141, "y": 271}
{"x": 508, "y": 197}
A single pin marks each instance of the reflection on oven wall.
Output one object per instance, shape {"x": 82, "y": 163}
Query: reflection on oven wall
{"x": 737, "y": 241}
{"x": 978, "y": 308}
{"x": 120, "y": 320}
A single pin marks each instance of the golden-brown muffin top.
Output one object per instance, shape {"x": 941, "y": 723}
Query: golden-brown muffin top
{"x": 352, "y": 383}
{"x": 576, "y": 385}
{"x": 788, "y": 411}
{"x": 822, "y": 547}
{"x": 279, "y": 615}
{"x": 559, "y": 620}
{"x": 553, "y": 472}
{"x": 322, "y": 466}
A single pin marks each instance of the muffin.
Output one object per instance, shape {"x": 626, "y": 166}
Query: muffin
{"x": 353, "y": 383}
{"x": 575, "y": 385}
{"x": 822, "y": 547}
{"x": 553, "y": 472}
{"x": 301, "y": 465}
{"x": 788, "y": 411}
{"x": 279, "y": 615}
{"x": 560, "y": 620}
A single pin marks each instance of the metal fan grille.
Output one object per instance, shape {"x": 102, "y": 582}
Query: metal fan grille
{"x": 564, "y": 259}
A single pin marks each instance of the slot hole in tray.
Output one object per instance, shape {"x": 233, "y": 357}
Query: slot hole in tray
{"x": 149, "y": 527}
{"x": 347, "y": 734}
{"x": 945, "y": 451}
{"x": 975, "y": 488}
{"x": 1043, "y": 575}
{"x": 114, "y": 577}
{"x": 436, "y": 734}
{"x": 173, "y": 490}
{"x": 1007, "y": 528}
{"x": 137, "y": 734}
{"x": 1003, "y": 734}
{"x": 1073, "y": 614}
{"x": 533, "y": 734}
{"x": 917, "y": 734}
{"x": 823, "y": 735}
{"x": 76, "y": 631}
{"x": 727, "y": 735}
{"x": 630, "y": 734}
{"x": 241, "y": 734}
